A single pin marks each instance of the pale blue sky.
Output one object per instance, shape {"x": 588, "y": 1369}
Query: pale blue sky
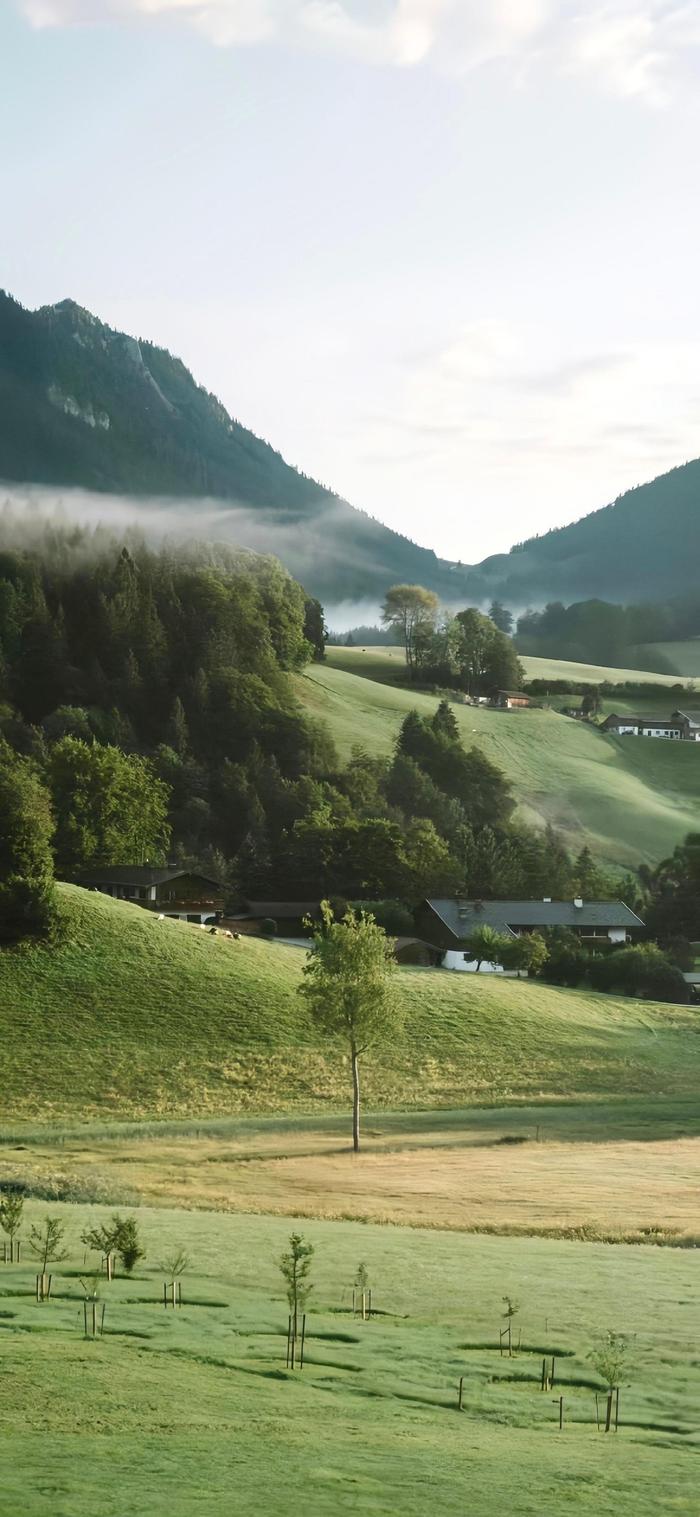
{"x": 442, "y": 253}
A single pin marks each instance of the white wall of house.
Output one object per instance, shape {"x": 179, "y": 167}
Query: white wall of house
{"x": 617, "y": 934}
{"x": 454, "y": 959}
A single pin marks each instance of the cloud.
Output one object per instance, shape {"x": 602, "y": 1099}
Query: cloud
{"x": 633, "y": 49}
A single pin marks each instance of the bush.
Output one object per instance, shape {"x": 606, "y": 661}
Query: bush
{"x": 393, "y": 916}
{"x": 268, "y": 927}
{"x": 641, "y": 970}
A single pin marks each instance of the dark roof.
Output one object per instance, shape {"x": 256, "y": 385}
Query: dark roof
{"x": 142, "y": 874}
{"x": 689, "y": 716}
{"x": 289, "y": 909}
{"x": 645, "y": 721}
{"x": 461, "y": 917}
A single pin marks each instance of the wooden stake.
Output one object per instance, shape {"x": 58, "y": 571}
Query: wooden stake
{"x": 303, "y": 1336}
{"x": 289, "y": 1339}
{"x": 608, "y": 1411}
{"x": 561, "y": 1413}
{"x": 109, "y": 1263}
{"x": 461, "y": 1388}
{"x": 543, "y": 1385}
{"x": 617, "y": 1408}
{"x": 551, "y": 1378}
{"x": 102, "y": 1322}
{"x": 85, "y": 1315}
{"x": 165, "y": 1293}
{"x": 597, "y": 1415}
{"x": 370, "y": 1303}
{"x": 94, "y": 1319}
{"x": 353, "y": 1300}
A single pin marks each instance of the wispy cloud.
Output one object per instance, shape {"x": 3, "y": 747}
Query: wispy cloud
{"x": 629, "y": 48}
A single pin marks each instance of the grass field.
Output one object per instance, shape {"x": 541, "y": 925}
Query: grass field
{"x": 629, "y": 800}
{"x": 389, "y": 664}
{"x": 194, "y": 1411}
{"x": 133, "y": 1017}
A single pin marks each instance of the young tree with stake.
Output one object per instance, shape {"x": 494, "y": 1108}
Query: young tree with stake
{"x": 46, "y": 1242}
{"x": 348, "y": 987}
{"x": 11, "y": 1212}
{"x": 296, "y": 1266}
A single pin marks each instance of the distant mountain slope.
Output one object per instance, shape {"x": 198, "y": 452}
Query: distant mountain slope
{"x": 644, "y": 547}
{"x": 83, "y": 405}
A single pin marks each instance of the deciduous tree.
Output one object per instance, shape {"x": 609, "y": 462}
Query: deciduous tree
{"x": 348, "y": 988}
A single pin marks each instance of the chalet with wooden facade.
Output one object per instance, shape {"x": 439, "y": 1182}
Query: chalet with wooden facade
{"x": 174, "y": 892}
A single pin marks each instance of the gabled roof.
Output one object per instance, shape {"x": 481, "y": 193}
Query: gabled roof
{"x": 143, "y": 874}
{"x": 461, "y": 917}
{"x": 645, "y": 721}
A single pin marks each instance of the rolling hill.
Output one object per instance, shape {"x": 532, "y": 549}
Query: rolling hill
{"x": 126, "y": 1016}
{"x": 629, "y": 800}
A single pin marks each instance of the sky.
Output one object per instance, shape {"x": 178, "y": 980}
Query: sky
{"x": 443, "y": 254}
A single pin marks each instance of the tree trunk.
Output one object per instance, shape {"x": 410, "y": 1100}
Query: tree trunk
{"x": 355, "y": 1101}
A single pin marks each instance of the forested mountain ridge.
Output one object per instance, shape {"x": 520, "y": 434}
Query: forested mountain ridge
{"x": 83, "y": 405}
{"x": 641, "y": 548}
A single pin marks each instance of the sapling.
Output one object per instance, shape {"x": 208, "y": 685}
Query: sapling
{"x": 46, "y": 1242}
{"x": 11, "y": 1212}
{"x": 610, "y": 1358}
{"x": 129, "y": 1247}
{"x": 175, "y": 1264}
{"x": 511, "y": 1311}
{"x": 296, "y": 1266}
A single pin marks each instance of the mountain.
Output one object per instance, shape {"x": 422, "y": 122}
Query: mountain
{"x": 641, "y": 548}
{"x": 83, "y": 405}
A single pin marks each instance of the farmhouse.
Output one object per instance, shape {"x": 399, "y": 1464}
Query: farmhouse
{"x": 512, "y": 700}
{"x": 448, "y": 923}
{"x": 288, "y": 917}
{"x": 679, "y": 726}
{"x": 175, "y": 892}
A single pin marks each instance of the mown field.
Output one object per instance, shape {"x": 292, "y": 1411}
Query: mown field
{"x": 147, "y": 1065}
{"x": 194, "y": 1410}
{"x": 389, "y": 663}
{"x": 629, "y": 800}
{"x": 132, "y": 1017}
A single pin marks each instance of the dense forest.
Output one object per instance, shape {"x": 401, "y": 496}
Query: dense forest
{"x": 149, "y": 694}
{"x": 599, "y": 632}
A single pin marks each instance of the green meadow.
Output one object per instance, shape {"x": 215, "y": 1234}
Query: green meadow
{"x": 629, "y": 800}
{"x": 129, "y": 1017}
{"x": 193, "y": 1410}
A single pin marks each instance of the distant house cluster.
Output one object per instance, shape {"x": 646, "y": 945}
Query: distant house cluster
{"x": 679, "y": 726}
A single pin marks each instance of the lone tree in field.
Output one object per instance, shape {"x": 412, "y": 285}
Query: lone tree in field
{"x": 411, "y": 611}
{"x": 11, "y": 1212}
{"x": 296, "y": 1267}
{"x": 46, "y": 1242}
{"x": 348, "y": 987}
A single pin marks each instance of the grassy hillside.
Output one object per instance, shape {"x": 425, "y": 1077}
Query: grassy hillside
{"x": 389, "y": 664}
{"x": 130, "y": 1016}
{"x": 630, "y": 800}
{"x": 193, "y": 1410}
